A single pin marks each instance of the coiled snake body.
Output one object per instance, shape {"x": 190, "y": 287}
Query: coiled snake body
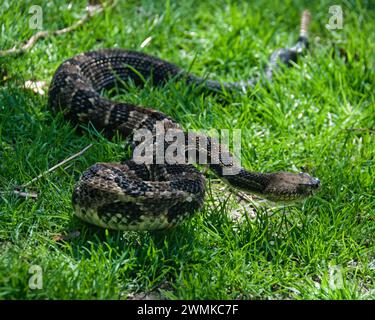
{"x": 140, "y": 196}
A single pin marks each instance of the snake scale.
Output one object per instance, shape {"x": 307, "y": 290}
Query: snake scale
{"x": 140, "y": 196}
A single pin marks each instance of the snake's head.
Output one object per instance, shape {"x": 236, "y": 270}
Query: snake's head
{"x": 288, "y": 187}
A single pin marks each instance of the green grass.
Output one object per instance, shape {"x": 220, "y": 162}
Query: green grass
{"x": 318, "y": 117}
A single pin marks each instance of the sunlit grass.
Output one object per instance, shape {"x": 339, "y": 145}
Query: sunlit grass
{"x": 318, "y": 117}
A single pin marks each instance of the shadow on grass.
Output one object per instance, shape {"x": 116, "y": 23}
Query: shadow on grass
{"x": 126, "y": 241}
